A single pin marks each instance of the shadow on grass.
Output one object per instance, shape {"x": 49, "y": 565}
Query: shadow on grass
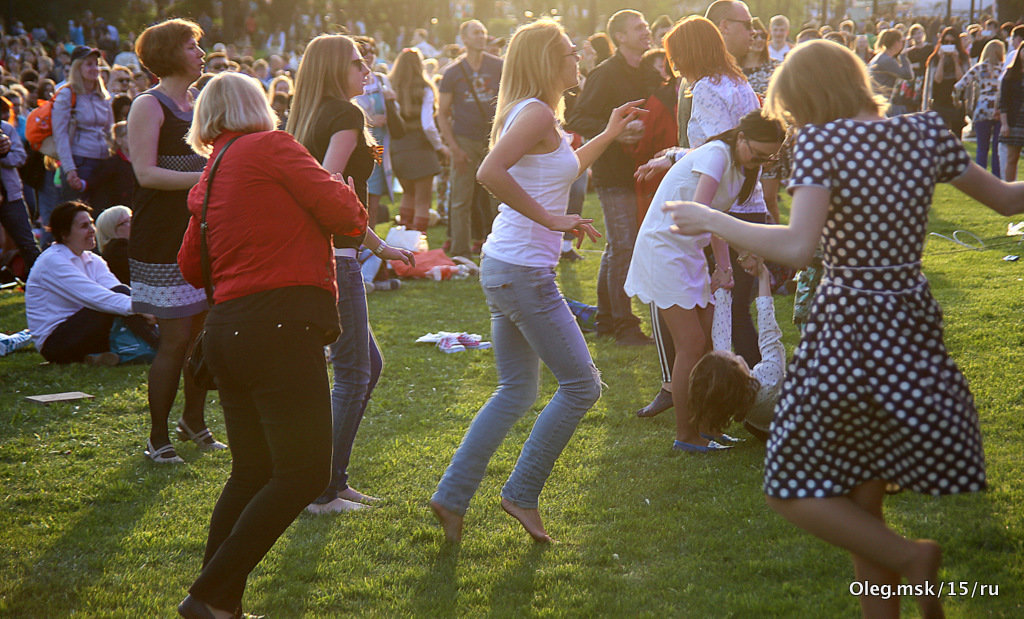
{"x": 81, "y": 556}
{"x": 515, "y": 589}
{"x": 439, "y": 587}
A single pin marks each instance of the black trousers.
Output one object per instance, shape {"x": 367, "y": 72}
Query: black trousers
{"x": 277, "y": 407}
{"x": 87, "y": 331}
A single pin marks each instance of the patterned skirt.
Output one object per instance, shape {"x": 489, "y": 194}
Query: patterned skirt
{"x": 160, "y": 290}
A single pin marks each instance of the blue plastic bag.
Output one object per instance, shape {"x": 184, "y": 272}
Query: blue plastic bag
{"x": 127, "y": 346}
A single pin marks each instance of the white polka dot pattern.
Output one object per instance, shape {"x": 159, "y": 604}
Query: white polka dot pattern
{"x": 871, "y": 392}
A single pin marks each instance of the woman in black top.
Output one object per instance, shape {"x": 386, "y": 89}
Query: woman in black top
{"x": 945, "y": 68}
{"x": 333, "y": 129}
{"x": 166, "y": 169}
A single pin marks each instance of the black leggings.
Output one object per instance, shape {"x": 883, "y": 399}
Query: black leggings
{"x": 277, "y": 407}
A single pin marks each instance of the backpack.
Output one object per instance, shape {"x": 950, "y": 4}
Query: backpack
{"x": 39, "y": 125}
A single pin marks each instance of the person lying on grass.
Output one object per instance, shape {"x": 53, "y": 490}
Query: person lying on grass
{"x": 723, "y": 388}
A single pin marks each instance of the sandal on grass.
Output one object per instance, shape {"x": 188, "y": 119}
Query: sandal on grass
{"x": 164, "y": 455}
{"x": 203, "y": 438}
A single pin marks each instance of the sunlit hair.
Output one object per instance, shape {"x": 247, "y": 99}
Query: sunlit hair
{"x": 820, "y": 81}
{"x": 533, "y": 65}
{"x": 617, "y": 24}
{"x": 721, "y": 390}
{"x": 77, "y": 82}
{"x": 229, "y": 102}
{"x": 887, "y": 39}
{"x": 322, "y": 73}
{"x": 159, "y": 47}
{"x": 106, "y": 224}
{"x": 409, "y": 78}
{"x": 994, "y": 52}
{"x": 696, "y": 50}
{"x": 280, "y": 79}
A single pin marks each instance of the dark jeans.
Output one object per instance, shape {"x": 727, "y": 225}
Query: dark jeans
{"x": 15, "y": 220}
{"x": 357, "y": 364}
{"x": 273, "y": 388}
{"x": 87, "y": 332}
{"x": 614, "y": 308}
{"x": 987, "y": 132}
{"x": 577, "y": 194}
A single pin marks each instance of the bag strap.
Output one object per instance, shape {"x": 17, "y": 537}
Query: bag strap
{"x": 204, "y": 248}
{"x": 472, "y": 89}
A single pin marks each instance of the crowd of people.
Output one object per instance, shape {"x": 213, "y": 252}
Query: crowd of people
{"x": 685, "y": 128}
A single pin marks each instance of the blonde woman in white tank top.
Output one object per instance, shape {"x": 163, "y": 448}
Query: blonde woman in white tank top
{"x": 529, "y": 168}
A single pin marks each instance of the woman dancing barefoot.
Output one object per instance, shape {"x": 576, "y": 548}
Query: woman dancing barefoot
{"x": 871, "y": 397}
{"x": 530, "y": 168}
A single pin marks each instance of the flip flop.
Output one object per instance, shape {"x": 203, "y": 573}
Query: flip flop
{"x": 723, "y": 438}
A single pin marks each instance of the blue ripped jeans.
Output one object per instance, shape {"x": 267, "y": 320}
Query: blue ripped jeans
{"x": 530, "y": 324}
{"x": 357, "y": 364}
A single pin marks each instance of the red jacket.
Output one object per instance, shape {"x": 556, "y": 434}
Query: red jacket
{"x": 270, "y": 219}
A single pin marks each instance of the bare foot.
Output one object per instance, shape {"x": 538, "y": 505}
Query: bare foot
{"x": 925, "y": 571}
{"x": 450, "y": 522}
{"x": 351, "y": 494}
{"x": 530, "y": 519}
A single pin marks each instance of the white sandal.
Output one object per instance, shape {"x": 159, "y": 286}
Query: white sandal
{"x": 164, "y": 455}
{"x": 203, "y": 439}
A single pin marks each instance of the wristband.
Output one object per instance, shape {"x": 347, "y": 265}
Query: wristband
{"x": 380, "y": 249}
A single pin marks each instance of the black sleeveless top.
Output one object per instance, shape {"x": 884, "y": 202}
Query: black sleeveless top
{"x": 160, "y": 217}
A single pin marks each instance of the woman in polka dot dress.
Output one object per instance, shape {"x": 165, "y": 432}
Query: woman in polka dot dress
{"x": 871, "y": 397}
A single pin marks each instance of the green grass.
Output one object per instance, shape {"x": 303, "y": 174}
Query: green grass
{"x": 89, "y": 527}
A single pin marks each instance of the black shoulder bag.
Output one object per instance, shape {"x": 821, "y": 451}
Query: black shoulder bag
{"x": 198, "y": 367}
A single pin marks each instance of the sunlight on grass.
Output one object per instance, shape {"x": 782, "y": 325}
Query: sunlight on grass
{"x": 92, "y": 528}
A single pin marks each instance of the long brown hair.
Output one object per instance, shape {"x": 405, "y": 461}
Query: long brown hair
{"x": 721, "y": 390}
{"x": 697, "y": 50}
{"x": 409, "y": 80}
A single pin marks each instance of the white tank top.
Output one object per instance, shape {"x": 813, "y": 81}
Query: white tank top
{"x": 546, "y": 177}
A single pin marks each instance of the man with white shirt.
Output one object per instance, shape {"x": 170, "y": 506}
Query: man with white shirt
{"x": 778, "y": 42}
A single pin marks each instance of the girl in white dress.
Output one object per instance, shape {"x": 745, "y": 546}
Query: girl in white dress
{"x": 669, "y": 271}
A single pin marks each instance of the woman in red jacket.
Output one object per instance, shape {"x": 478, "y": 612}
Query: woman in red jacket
{"x": 271, "y": 214}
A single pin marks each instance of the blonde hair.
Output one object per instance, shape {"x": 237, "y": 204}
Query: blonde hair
{"x": 322, "y": 73}
{"x": 532, "y": 66}
{"x": 994, "y": 52}
{"x": 106, "y": 225}
{"x": 229, "y": 102}
{"x": 272, "y": 89}
{"x": 77, "y": 84}
{"x": 820, "y": 81}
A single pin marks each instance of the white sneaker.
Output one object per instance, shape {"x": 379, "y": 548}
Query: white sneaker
{"x": 335, "y": 507}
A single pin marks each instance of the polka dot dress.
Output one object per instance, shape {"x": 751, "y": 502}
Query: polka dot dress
{"x": 871, "y": 392}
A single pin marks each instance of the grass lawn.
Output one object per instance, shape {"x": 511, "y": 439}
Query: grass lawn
{"x": 90, "y": 527}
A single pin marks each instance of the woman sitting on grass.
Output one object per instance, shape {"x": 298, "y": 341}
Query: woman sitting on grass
{"x": 72, "y": 298}
{"x": 723, "y": 388}
{"x": 872, "y": 398}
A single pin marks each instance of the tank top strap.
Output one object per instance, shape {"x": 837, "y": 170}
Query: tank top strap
{"x": 518, "y": 107}
{"x": 169, "y": 105}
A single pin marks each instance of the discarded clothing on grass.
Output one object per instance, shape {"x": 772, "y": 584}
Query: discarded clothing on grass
{"x": 449, "y": 342}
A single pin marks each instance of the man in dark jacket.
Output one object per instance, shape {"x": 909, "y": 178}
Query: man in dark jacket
{"x": 612, "y": 83}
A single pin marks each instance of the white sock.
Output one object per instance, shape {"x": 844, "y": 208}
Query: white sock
{"x": 566, "y": 245}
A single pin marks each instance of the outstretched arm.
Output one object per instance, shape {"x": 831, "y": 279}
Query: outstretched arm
{"x": 1000, "y": 196}
{"x": 792, "y": 245}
